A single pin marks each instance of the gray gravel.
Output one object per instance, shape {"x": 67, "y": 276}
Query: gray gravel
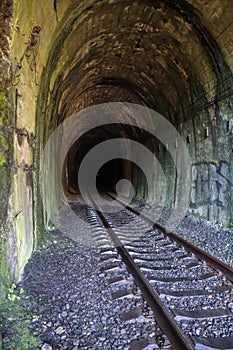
{"x": 163, "y": 258}
{"x": 74, "y": 305}
{"x": 70, "y": 300}
{"x": 212, "y": 238}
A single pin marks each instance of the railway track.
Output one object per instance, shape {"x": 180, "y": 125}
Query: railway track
{"x": 140, "y": 330}
{"x": 190, "y": 292}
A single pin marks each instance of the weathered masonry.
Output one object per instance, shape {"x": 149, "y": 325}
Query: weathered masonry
{"x": 58, "y": 57}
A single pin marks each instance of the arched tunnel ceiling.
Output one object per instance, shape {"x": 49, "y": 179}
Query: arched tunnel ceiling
{"x": 156, "y": 53}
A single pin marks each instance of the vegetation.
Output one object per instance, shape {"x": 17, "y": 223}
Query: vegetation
{"x": 15, "y": 320}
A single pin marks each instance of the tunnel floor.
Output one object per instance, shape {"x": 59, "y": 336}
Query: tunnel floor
{"x": 66, "y": 301}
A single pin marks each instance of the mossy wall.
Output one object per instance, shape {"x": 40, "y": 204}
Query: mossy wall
{"x": 5, "y": 157}
{"x": 32, "y": 30}
{"x": 6, "y": 129}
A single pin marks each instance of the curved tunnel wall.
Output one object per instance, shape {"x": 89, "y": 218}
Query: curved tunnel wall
{"x": 172, "y": 56}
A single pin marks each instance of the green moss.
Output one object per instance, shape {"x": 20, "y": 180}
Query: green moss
{"x": 3, "y": 107}
{"x": 3, "y": 142}
{"x": 15, "y": 320}
{"x": 4, "y": 146}
{"x": 2, "y": 159}
{"x": 4, "y": 273}
{"x": 5, "y": 169}
{"x": 3, "y": 101}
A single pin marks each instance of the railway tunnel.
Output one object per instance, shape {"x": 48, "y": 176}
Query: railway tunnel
{"x": 61, "y": 57}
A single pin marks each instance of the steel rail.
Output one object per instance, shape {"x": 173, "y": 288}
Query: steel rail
{"x": 178, "y": 339}
{"x": 212, "y": 261}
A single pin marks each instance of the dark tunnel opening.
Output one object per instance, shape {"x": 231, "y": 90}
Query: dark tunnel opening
{"x": 111, "y": 172}
{"x": 108, "y": 176}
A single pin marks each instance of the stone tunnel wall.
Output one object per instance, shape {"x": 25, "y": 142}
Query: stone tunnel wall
{"x": 210, "y": 144}
{"x": 210, "y": 148}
